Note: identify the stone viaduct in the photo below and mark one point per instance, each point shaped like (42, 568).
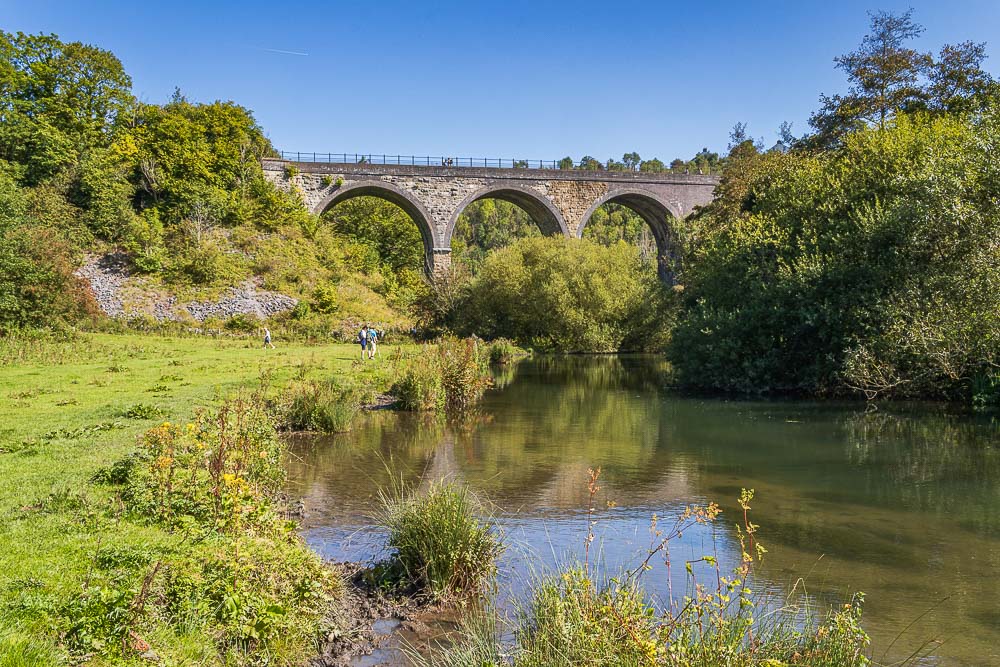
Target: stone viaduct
(559, 201)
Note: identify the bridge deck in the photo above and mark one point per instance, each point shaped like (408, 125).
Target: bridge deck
(506, 173)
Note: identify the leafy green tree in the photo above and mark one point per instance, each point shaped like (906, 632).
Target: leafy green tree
(957, 81)
(487, 225)
(384, 228)
(566, 163)
(589, 163)
(862, 269)
(631, 161)
(57, 100)
(884, 74)
(565, 294)
(652, 166)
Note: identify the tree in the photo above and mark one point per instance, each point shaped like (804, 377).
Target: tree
(652, 166)
(614, 165)
(785, 135)
(631, 161)
(57, 100)
(589, 163)
(958, 83)
(737, 136)
(884, 74)
(566, 163)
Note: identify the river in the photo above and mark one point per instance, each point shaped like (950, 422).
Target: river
(901, 502)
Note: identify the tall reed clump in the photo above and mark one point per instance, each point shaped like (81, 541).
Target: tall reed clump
(452, 374)
(419, 386)
(504, 351)
(244, 580)
(441, 547)
(319, 406)
(578, 618)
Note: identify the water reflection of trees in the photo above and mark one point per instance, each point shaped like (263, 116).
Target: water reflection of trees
(932, 460)
(902, 502)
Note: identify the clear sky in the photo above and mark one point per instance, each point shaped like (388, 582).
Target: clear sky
(514, 79)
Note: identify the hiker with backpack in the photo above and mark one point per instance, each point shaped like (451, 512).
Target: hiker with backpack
(363, 340)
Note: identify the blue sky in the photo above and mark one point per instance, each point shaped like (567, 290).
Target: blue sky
(535, 80)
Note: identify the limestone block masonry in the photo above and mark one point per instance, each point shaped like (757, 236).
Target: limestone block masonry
(559, 201)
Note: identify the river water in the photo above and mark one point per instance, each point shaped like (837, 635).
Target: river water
(902, 502)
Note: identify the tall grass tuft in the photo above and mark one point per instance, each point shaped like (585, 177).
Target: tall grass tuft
(503, 351)
(440, 545)
(320, 406)
(419, 387)
(452, 374)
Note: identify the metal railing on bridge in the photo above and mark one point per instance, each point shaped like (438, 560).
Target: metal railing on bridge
(424, 160)
(446, 161)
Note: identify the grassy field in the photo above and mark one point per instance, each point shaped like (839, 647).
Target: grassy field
(69, 409)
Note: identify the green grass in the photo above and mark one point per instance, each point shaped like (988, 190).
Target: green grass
(71, 408)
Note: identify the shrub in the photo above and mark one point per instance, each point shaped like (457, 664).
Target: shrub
(225, 469)
(503, 351)
(562, 294)
(247, 582)
(451, 374)
(326, 180)
(419, 386)
(291, 171)
(320, 406)
(242, 323)
(465, 374)
(326, 299)
(440, 546)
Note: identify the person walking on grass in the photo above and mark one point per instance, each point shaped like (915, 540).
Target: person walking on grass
(363, 340)
(372, 342)
(267, 339)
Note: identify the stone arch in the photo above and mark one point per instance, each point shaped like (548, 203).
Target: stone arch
(391, 193)
(657, 214)
(541, 210)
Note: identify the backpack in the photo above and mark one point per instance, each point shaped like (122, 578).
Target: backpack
(362, 336)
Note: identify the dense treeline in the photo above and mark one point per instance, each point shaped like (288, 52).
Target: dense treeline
(867, 258)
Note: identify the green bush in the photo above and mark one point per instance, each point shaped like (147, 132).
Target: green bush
(465, 374)
(504, 351)
(562, 294)
(872, 268)
(247, 583)
(440, 546)
(325, 299)
(419, 386)
(242, 323)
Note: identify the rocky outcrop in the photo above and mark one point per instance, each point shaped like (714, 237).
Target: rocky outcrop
(121, 294)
